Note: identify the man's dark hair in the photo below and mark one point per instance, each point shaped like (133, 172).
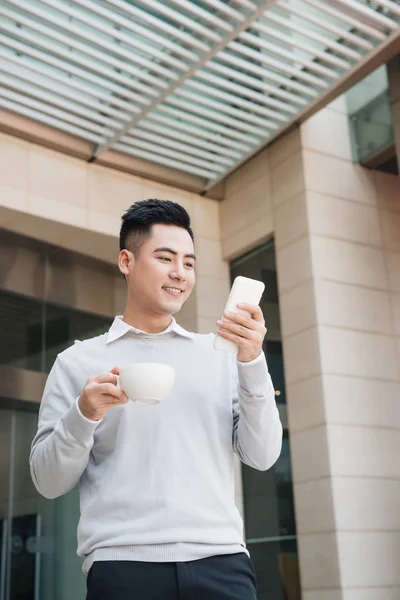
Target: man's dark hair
(138, 220)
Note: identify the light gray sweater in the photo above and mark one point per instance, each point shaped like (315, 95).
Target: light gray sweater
(156, 482)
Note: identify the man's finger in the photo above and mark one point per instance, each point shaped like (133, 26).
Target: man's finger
(236, 329)
(115, 399)
(254, 310)
(106, 378)
(110, 390)
(241, 319)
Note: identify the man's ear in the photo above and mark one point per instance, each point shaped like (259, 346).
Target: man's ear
(125, 260)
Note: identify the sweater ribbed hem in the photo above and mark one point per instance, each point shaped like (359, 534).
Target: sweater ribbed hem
(254, 377)
(173, 552)
(81, 428)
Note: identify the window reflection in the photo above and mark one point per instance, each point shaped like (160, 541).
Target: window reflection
(38, 558)
(64, 326)
(20, 331)
(32, 333)
(277, 569)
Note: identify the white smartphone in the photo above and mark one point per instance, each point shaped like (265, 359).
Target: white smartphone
(244, 290)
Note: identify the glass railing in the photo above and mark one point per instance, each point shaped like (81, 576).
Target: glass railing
(372, 128)
(370, 114)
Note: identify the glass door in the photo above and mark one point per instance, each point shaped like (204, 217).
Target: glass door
(5, 459)
(20, 525)
(38, 559)
(268, 496)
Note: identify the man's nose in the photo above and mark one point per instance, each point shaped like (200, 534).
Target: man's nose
(178, 272)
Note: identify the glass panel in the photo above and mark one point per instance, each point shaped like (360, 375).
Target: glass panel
(63, 326)
(25, 518)
(277, 569)
(268, 498)
(274, 353)
(21, 344)
(370, 114)
(5, 458)
(70, 582)
(41, 330)
(38, 551)
(38, 558)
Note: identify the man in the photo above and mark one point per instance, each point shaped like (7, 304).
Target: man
(158, 519)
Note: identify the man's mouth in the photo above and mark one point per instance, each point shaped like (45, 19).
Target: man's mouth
(173, 290)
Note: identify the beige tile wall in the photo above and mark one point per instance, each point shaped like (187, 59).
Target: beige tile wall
(246, 213)
(67, 202)
(337, 234)
(348, 310)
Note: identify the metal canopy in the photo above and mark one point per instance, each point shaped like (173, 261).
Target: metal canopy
(197, 85)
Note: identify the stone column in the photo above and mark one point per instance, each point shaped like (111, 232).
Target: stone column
(337, 229)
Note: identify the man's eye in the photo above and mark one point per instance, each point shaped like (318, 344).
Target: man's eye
(165, 258)
(191, 265)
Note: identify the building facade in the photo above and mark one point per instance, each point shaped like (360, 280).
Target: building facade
(323, 232)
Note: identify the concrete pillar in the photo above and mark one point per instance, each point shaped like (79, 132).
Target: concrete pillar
(337, 231)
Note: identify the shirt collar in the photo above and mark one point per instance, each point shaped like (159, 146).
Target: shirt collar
(120, 328)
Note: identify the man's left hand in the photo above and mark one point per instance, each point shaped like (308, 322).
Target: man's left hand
(248, 332)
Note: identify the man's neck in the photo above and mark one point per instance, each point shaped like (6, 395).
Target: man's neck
(149, 323)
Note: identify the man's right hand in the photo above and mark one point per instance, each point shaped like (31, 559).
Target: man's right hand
(100, 394)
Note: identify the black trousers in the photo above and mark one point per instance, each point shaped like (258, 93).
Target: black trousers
(227, 577)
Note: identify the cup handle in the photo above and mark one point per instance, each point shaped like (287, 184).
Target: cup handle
(117, 384)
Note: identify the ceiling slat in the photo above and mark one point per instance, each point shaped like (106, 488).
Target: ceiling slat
(170, 141)
(54, 112)
(296, 42)
(86, 48)
(24, 50)
(198, 131)
(181, 19)
(310, 65)
(371, 15)
(159, 24)
(324, 24)
(93, 97)
(9, 79)
(211, 125)
(44, 118)
(355, 24)
(195, 141)
(192, 70)
(255, 83)
(92, 65)
(162, 160)
(98, 25)
(236, 100)
(129, 24)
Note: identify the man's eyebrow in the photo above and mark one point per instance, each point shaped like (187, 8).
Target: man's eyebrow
(165, 249)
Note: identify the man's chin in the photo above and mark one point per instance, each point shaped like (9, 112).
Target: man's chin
(171, 307)
(175, 308)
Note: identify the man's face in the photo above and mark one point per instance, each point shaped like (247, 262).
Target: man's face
(161, 278)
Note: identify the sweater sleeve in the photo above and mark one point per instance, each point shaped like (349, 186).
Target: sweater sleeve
(257, 430)
(61, 448)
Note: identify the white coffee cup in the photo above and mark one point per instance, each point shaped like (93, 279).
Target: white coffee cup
(146, 383)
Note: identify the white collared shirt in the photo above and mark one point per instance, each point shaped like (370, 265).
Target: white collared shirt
(120, 327)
